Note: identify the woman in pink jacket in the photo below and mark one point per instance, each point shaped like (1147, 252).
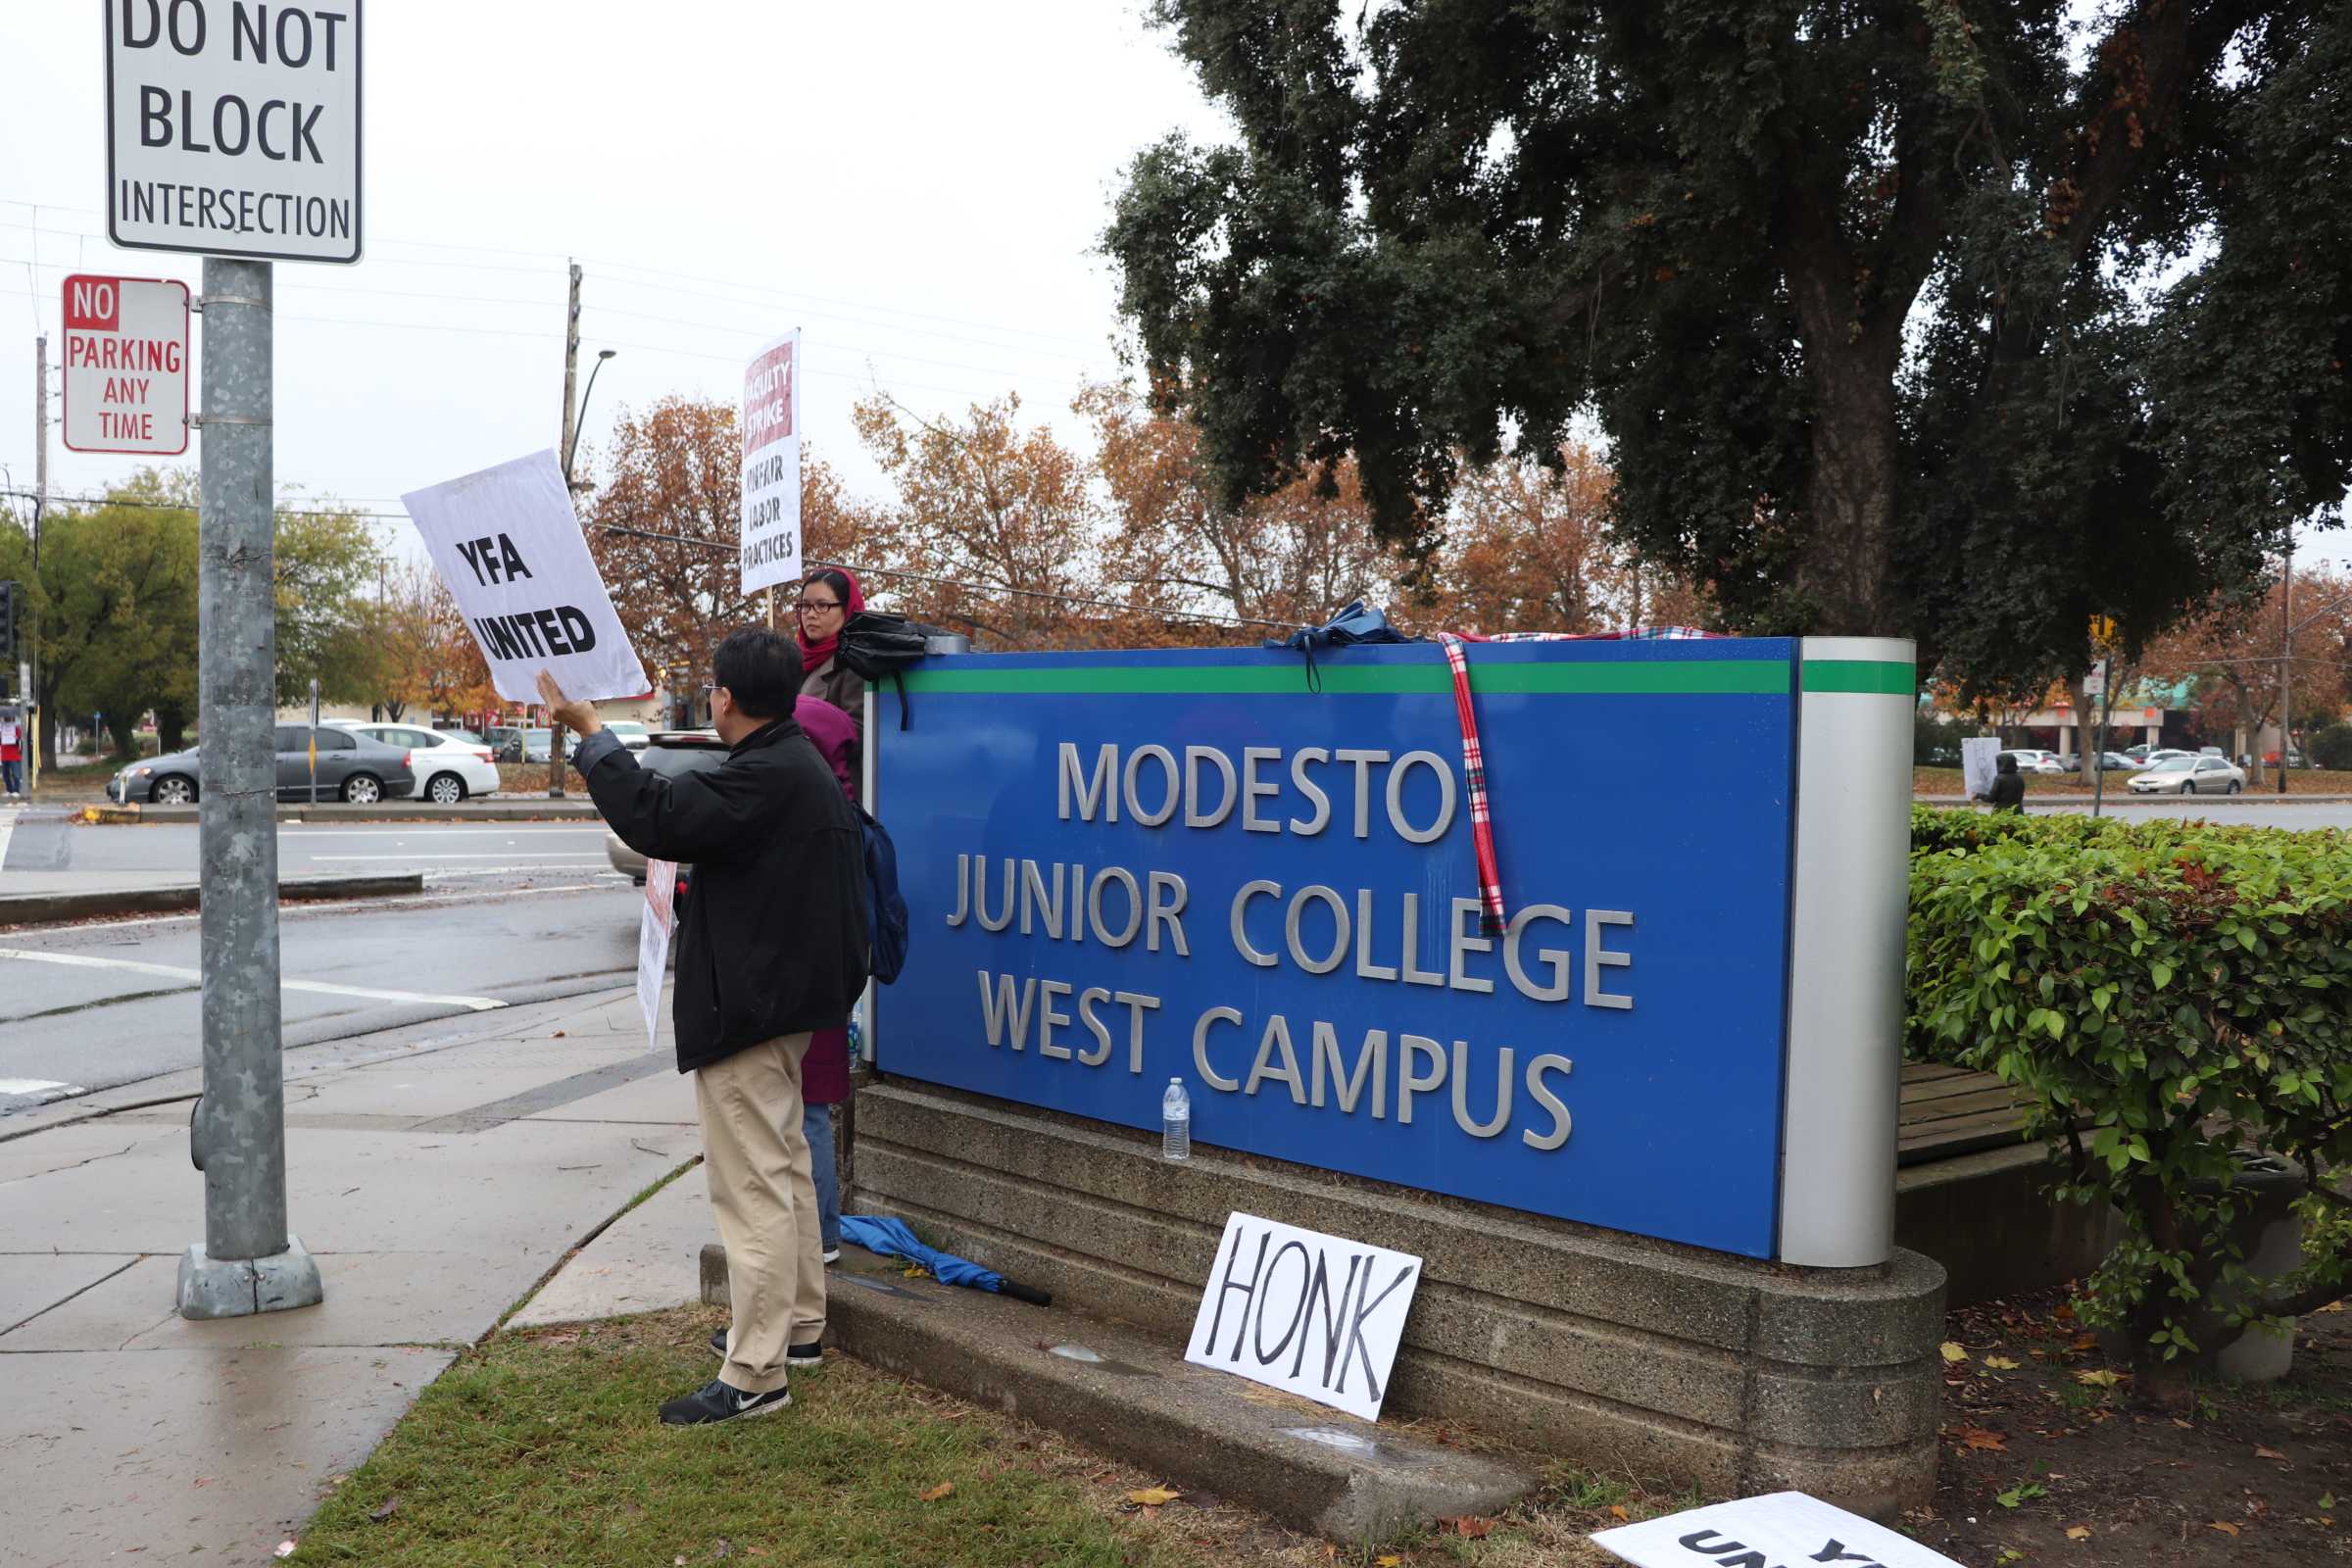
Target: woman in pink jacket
(825, 1070)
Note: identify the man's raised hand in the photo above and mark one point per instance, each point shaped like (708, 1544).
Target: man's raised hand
(578, 717)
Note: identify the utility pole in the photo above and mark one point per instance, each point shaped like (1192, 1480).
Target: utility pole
(572, 371)
(247, 1261)
(30, 696)
(2286, 655)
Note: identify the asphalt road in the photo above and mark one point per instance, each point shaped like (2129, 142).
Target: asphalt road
(90, 1006)
(492, 854)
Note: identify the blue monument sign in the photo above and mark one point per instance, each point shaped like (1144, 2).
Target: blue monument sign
(1127, 867)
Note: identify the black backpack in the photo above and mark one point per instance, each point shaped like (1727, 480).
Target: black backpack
(885, 907)
(875, 644)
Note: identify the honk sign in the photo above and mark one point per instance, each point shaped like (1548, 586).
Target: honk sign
(1308, 1314)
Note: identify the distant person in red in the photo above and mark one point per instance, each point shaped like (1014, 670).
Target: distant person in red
(11, 752)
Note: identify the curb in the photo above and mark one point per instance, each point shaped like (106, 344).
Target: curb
(1315, 1469)
(2249, 798)
(567, 809)
(41, 908)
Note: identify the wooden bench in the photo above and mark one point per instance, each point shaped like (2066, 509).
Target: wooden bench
(1949, 1112)
(1973, 1192)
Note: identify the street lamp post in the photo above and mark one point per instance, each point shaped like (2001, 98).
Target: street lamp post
(581, 418)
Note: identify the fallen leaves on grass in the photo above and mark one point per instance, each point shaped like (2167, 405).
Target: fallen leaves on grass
(1618, 1513)
(1982, 1437)
(2077, 1532)
(1470, 1525)
(2022, 1492)
(2223, 1527)
(2268, 1454)
(390, 1507)
(2000, 1363)
(1953, 1353)
(1154, 1496)
(2101, 1377)
(1390, 1560)
(944, 1488)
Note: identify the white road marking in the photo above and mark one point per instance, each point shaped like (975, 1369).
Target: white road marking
(427, 830)
(39, 1089)
(395, 901)
(438, 874)
(83, 960)
(573, 854)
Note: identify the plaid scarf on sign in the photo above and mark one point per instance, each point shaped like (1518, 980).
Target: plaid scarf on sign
(1491, 919)
(1474, 776)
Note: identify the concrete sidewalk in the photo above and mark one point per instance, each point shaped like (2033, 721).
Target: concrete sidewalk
(439, 1173)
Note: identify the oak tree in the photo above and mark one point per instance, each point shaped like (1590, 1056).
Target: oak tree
(1944, 318)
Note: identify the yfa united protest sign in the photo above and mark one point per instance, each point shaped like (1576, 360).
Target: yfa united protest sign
(510, 549)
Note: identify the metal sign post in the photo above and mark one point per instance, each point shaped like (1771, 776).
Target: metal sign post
(314, 740)
(233, 132)
(247, 1261)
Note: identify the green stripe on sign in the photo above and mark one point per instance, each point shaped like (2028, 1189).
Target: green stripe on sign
(1878, 676)
(1681, 676)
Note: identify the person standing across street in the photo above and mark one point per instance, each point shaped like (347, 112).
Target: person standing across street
(772, 945)
(2008, 792)
(11, 752)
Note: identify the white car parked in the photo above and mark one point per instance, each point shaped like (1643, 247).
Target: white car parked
(449, 763)
(2033, 760)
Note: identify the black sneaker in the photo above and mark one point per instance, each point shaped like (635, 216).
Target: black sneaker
(798, 1356)
(716, 1401)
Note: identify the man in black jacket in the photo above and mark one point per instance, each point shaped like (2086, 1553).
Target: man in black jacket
(773, 944)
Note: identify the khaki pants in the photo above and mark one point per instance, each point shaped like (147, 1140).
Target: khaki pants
(756, 1160)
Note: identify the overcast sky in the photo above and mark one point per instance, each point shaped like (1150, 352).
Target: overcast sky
(919, 187)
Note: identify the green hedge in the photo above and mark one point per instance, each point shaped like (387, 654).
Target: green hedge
(2181, 994)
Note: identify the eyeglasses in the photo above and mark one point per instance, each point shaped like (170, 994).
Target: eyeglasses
(806, 605)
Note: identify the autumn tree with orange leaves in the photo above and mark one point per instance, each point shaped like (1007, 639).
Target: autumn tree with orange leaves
(2231, 648)
(997, 513)
(662, 524)
(1173, 546)
(426, 657)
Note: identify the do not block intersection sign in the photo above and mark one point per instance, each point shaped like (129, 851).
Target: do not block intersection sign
(127, 364)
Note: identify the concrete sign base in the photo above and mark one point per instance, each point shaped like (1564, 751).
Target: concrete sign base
(1643, 1355)
(241, 1287)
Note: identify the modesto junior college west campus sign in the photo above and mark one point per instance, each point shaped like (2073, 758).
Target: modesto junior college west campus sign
(1124, 868)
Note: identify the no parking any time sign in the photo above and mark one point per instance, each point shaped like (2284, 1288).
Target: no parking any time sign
(127, 364)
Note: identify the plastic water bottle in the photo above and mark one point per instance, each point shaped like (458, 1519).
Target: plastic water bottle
(1175, 1122)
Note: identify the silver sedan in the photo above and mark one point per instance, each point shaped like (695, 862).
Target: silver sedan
(2190, 775)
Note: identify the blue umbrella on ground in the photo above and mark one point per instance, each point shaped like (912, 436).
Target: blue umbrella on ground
(892, 1238)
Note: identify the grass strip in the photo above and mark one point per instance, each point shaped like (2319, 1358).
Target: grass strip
(543, 1447)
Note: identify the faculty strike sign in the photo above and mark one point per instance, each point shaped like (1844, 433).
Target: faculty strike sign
(771, 465)
(510, 550)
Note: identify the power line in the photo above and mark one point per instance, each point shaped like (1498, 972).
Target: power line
(730, 548)
(56, 500)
